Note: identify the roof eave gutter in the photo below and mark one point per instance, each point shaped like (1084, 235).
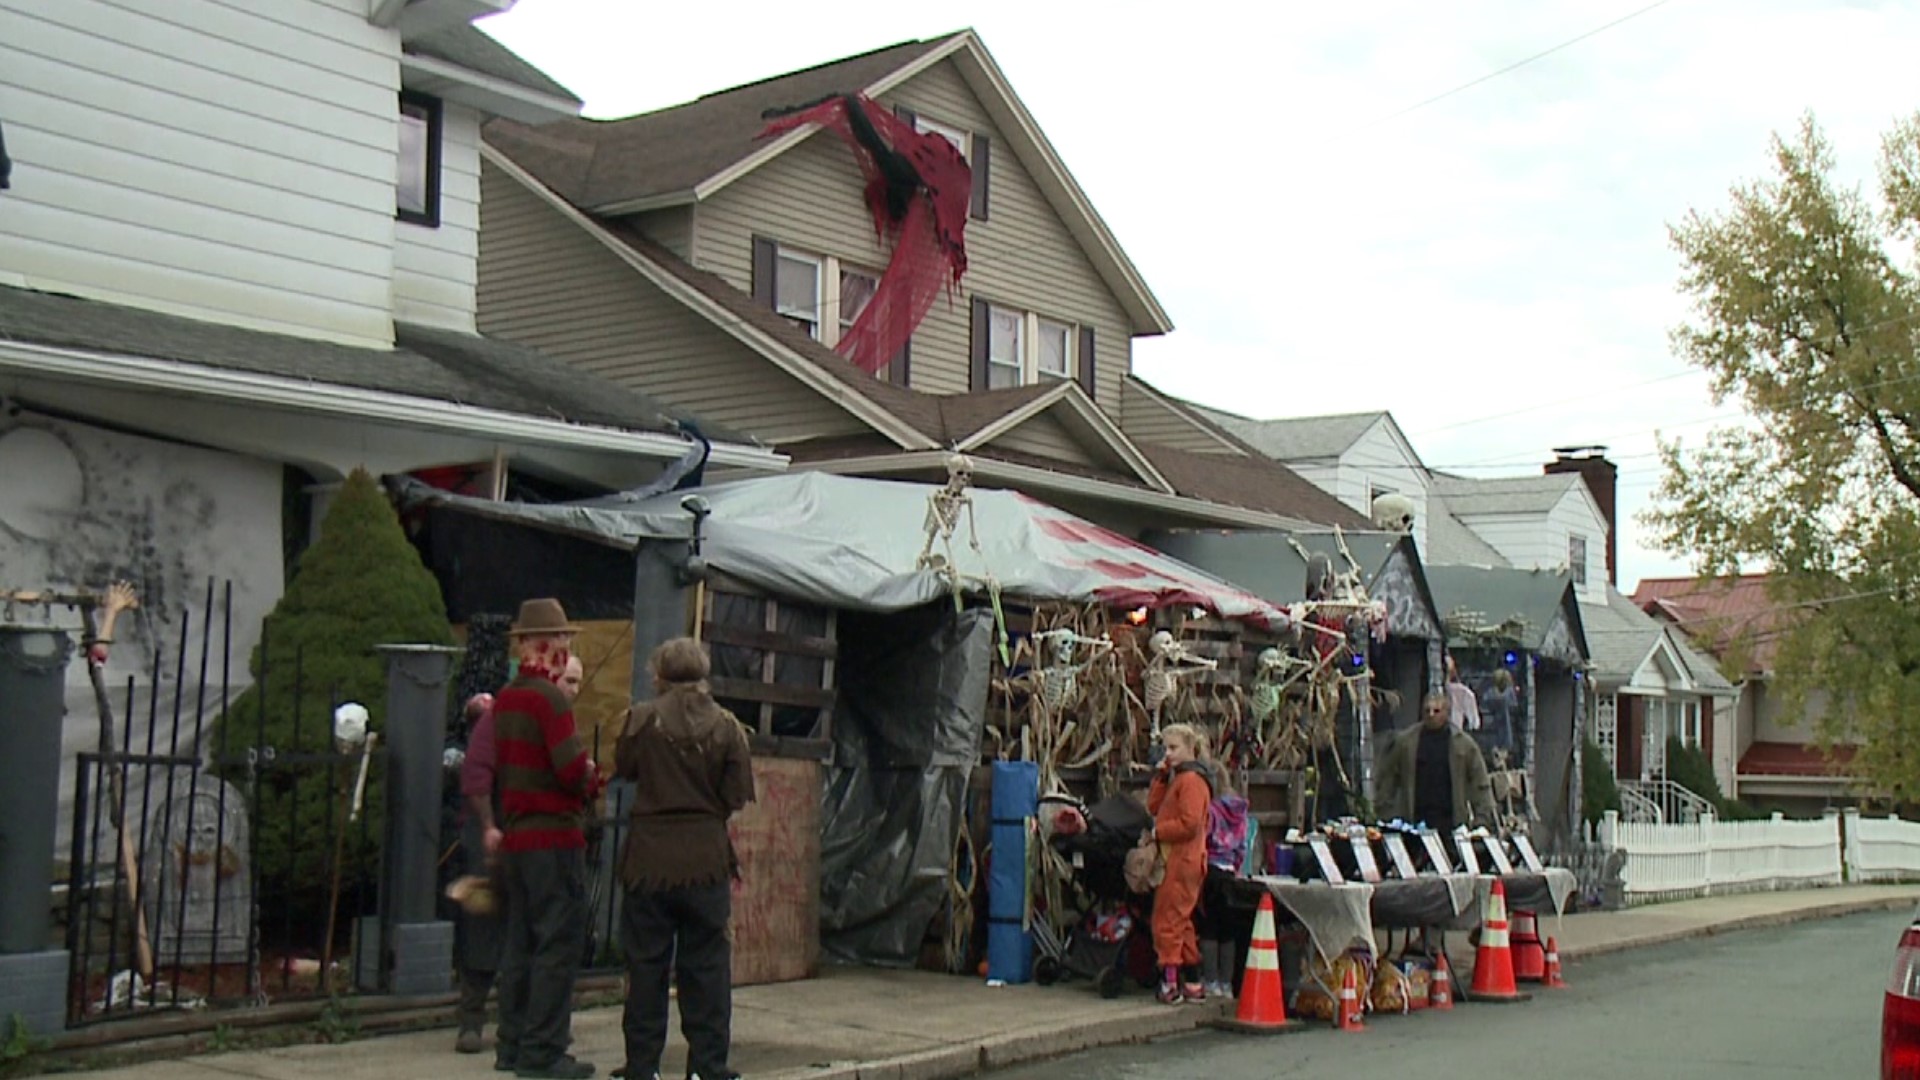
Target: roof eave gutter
(665, 201)
(1046, 479)
(327, 399)
(495, 95)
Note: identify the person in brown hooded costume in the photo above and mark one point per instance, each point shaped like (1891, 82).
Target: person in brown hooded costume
(691, 768)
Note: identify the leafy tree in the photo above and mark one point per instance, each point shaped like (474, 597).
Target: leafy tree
(361, 585)
(1807, 313)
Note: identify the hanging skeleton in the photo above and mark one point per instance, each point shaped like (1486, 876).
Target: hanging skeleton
(1170, 662)
(945, 507)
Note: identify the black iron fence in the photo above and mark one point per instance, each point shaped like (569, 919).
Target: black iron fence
(213, 861)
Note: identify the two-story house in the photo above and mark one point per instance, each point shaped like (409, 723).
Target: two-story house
(238, 255)
(686, 254)
(1355, 457)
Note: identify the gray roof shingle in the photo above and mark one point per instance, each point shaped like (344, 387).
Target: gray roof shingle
(440, 365)
(1450, 542)
(1622, 636)
(1298, 438)
(1470, 496)
(599, 163)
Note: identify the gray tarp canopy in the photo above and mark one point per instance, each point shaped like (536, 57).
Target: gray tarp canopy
(1533, 609)
(1266, 563)
(851, 542)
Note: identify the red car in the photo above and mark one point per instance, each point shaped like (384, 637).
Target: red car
(1900, 1018)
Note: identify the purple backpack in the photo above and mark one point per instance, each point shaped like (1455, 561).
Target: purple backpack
(1227, 833)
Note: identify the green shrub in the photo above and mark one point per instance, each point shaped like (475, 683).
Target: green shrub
(1688, 766)
(1598, 791)
(360, 585)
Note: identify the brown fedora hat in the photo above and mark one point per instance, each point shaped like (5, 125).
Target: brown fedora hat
(544, 616)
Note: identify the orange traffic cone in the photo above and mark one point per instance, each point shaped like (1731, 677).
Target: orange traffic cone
(1347, 1012)
(1554, 981)
(1529, 957)
(1262, 1006)
(1441, 996)
(1493, 964)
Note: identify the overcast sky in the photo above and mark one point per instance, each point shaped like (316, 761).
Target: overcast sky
(1492, 268)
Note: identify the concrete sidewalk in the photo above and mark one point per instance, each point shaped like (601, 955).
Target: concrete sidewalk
(866, 1023)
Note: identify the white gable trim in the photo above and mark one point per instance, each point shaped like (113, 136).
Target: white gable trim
(903, 434)
(1027, 142)
(1663, 649)
(1070, 396)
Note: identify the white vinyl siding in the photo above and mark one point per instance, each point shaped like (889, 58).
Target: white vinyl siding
(227, 162)
(546, 284)
(433, 268)
(1540, 541)
(810, 197)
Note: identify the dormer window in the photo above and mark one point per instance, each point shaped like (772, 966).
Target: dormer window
(961, 140)
(417, 182)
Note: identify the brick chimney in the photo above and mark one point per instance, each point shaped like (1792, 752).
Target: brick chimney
(1602, 477)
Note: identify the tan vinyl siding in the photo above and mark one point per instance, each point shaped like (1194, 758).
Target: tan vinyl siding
(1145, 418)
(1047, 437)
(1022, 256)
(671, 228)
(546, 284)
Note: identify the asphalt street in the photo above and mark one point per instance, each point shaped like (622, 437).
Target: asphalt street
(1799, 1001)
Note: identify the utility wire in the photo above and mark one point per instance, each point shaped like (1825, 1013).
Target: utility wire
(1517, 64)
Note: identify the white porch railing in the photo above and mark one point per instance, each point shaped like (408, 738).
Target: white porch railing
(1708, 856)
(1637, 808)
(1676, 803)
(1882, 849)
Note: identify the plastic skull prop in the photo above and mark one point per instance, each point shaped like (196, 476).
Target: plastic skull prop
(350, 724)
(1394, 513)
(1161, 643)
(959, 472)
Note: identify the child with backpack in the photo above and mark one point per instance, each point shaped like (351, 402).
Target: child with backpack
(1230, 830)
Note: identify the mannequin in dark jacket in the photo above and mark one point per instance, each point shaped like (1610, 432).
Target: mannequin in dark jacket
(1433, 773)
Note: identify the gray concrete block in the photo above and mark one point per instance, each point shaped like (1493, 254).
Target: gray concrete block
(34, 987)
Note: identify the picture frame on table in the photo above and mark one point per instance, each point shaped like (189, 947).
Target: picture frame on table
(1363, 858)
(1401, 858)
(1529, 857)
(1497, 852)
(1469, 860)
(1323, 854)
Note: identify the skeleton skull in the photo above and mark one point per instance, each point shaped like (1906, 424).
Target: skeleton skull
(1270, 660)
(959, 472)
(1161, 643)
(1394, 513)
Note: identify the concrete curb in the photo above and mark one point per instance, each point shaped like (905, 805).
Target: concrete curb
(1838, 909)
(1136, 1024)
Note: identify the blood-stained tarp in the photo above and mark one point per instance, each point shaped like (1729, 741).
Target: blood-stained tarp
(851, 542)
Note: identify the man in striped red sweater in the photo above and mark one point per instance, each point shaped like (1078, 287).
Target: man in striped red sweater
(546, 781)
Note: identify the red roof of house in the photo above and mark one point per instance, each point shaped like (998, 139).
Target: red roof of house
(1717, 613)
(1794, 759)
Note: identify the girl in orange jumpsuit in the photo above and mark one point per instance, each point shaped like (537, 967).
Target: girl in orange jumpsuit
(1178, 801)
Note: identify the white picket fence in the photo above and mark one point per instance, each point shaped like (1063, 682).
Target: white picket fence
(1712, 857)
(1882, 849)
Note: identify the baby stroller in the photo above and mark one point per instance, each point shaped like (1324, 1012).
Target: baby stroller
(1097, 945)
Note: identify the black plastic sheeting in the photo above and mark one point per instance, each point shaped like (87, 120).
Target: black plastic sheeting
(488, 566)
(907, 730)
